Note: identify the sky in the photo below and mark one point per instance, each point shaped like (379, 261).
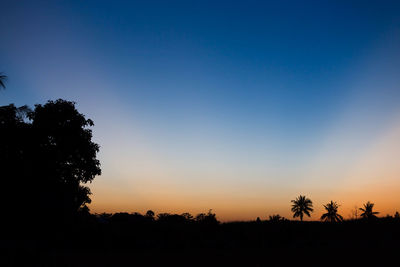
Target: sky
(234, 106)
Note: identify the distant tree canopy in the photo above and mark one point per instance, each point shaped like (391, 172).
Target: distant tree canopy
(46, 155)
(150, 214)
(276, 218)
(208, 218)
(205, 219)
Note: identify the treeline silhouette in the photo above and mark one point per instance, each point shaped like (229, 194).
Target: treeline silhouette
(47, 156)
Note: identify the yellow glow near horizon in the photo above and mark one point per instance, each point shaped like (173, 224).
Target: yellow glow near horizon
(243, 180)
(373, 176)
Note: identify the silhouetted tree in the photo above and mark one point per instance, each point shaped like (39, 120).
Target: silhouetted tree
(207, 218)
(104, 217)
(47, 155)
(17, 165)
(84, 211)
(301, 205)
(171, 219)
(276, 218)
(66, 147)
(162, 216)
(120, 218)
(187, 216)
(3, 78)
(332, 213)
(367, 211)
(150, 214)
(397, 215)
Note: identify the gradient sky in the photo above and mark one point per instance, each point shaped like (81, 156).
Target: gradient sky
(232, 106)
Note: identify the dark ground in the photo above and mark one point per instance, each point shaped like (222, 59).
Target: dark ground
(286, 243)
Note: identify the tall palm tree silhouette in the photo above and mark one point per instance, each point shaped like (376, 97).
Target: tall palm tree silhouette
(301, 205)
(3, 78)
(367, 211)
(331, 215)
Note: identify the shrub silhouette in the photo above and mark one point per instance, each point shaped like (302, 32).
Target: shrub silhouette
(276, 218)
(367, 211)
(301, 205)
(332, 213)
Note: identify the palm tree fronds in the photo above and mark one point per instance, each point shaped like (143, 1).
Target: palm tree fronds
(301, 205)
(3, 78)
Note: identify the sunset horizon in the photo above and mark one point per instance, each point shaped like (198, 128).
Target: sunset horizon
(237, 108)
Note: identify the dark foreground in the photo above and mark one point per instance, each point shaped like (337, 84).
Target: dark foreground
(283, 243)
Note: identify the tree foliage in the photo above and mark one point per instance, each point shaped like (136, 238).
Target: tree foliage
(367, 211)
(208, 218)
(3, 78)
(276, 218)
(47, 155)
(302, 205)
(332, 213)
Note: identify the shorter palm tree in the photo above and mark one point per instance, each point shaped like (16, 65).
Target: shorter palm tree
(367, 211)
(332, 214)
(301, 205)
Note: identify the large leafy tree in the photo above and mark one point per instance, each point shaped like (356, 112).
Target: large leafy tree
(47, 156)
(302, 205)
(367, 211)
(331, 214)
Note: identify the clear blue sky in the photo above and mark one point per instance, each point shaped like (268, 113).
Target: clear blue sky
(213, 104)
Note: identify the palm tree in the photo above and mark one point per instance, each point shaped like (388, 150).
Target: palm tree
(3, 78)
(367, 211)
(301, 205)
(332, 215)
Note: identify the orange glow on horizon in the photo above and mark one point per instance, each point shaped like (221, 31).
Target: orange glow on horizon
(373, 177)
